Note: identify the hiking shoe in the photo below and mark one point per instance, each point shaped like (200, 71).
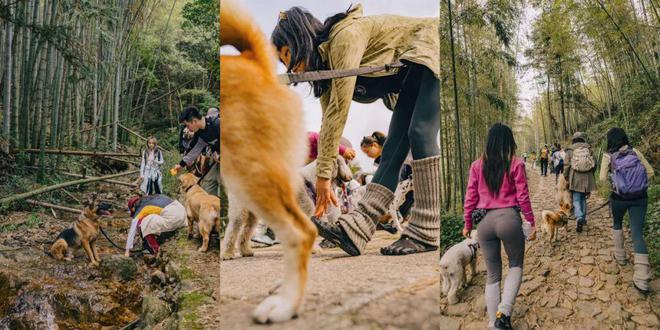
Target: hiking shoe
(327, 244)
(388, 227)
(503, 321)
(580, 223)
(334, 233)
(263, 239)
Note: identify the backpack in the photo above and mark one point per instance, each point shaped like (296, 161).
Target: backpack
(544, 153)
(582, 160)
(629, 177)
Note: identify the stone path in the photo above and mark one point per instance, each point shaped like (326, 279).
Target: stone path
(573, 284)
(366, 292)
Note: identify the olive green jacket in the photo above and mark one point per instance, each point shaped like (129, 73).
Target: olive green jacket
(583, 182)
(362, 41)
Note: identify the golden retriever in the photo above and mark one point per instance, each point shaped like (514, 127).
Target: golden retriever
(201, 207)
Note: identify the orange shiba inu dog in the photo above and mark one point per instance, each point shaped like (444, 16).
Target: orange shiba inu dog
(83, 233)
(263, 177)
(554, 220)
(201, 208)
(564, 199)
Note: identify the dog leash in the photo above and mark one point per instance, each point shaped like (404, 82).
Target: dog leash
(114, 244)
(572, 217)
(293, 78)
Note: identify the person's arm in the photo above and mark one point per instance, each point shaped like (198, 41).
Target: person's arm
(159, 159)
(346, 53)
(471, 196)
(645, 163)
(567, 164)
(142, 164)
(604, 167)
(522, 192)
(131, 235)
(189, 158)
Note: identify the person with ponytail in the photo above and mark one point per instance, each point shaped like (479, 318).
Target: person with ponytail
(349, 40)
(497, 192)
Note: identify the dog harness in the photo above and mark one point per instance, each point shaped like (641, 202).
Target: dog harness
(473, 250)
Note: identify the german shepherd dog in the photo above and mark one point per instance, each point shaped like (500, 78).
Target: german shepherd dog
(264, 176)
(83, 233)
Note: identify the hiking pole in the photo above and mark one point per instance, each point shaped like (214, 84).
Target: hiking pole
(572, 217)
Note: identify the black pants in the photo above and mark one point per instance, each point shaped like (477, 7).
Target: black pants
(558, 170)
(637, 211)
(414, 125)
(544, 167)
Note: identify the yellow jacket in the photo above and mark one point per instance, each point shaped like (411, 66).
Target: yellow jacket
(362, 41)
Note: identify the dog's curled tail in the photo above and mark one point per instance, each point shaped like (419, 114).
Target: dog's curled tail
(238, 29)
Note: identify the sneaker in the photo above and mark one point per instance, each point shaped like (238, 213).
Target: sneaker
(503, 321)
(263, 239)
(388, 227)
(580, 223)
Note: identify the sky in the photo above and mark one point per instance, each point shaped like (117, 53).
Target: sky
(527, 90)
(363, 119)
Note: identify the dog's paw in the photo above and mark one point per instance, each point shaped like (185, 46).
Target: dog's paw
(228, 256)
(274, 309)
(452, 300)
(93, 264)
(247, 251)
(202, 249)
(317, 249)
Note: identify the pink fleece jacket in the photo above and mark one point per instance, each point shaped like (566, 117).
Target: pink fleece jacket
(513, 192)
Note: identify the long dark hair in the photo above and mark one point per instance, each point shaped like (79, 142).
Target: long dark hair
(500, 148)
(616, 138)
(298, 29)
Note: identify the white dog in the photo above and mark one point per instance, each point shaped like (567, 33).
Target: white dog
(402, 189)
(242, 222)
(453, 264)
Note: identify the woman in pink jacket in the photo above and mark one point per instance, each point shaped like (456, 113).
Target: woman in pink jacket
(496, 193)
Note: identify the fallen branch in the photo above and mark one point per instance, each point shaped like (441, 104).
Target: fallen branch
(138, 135)
(77, 153)
(122, 183)
(124, 160)
(62, 185)
(53, 206)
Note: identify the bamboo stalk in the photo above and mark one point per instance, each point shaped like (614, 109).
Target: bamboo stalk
(62, 185)
(77, 153)
(53, 206)
(76, 175)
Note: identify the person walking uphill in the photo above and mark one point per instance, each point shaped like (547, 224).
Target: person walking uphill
(349, 40)
(497, 187)
(544, 155)
(207, 133)
(579, 173)
(630, 173)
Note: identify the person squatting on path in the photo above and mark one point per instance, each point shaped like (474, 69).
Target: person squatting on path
(543, 158)
(630, 173)
(579, 173)
(498, 185)
(349, 40)
(150, 174)
(154, 215)
(207, 132)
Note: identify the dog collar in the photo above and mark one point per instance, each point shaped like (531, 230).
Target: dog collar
(185, 191)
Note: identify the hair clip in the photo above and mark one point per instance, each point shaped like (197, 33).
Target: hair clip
(282, 15)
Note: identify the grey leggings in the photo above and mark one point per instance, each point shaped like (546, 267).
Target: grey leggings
(501, 225)
(637, 211)
(414, 125)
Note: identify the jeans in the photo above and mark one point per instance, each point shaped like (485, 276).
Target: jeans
(580, 206)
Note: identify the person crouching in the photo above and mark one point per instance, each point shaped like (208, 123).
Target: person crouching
(154, 215)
